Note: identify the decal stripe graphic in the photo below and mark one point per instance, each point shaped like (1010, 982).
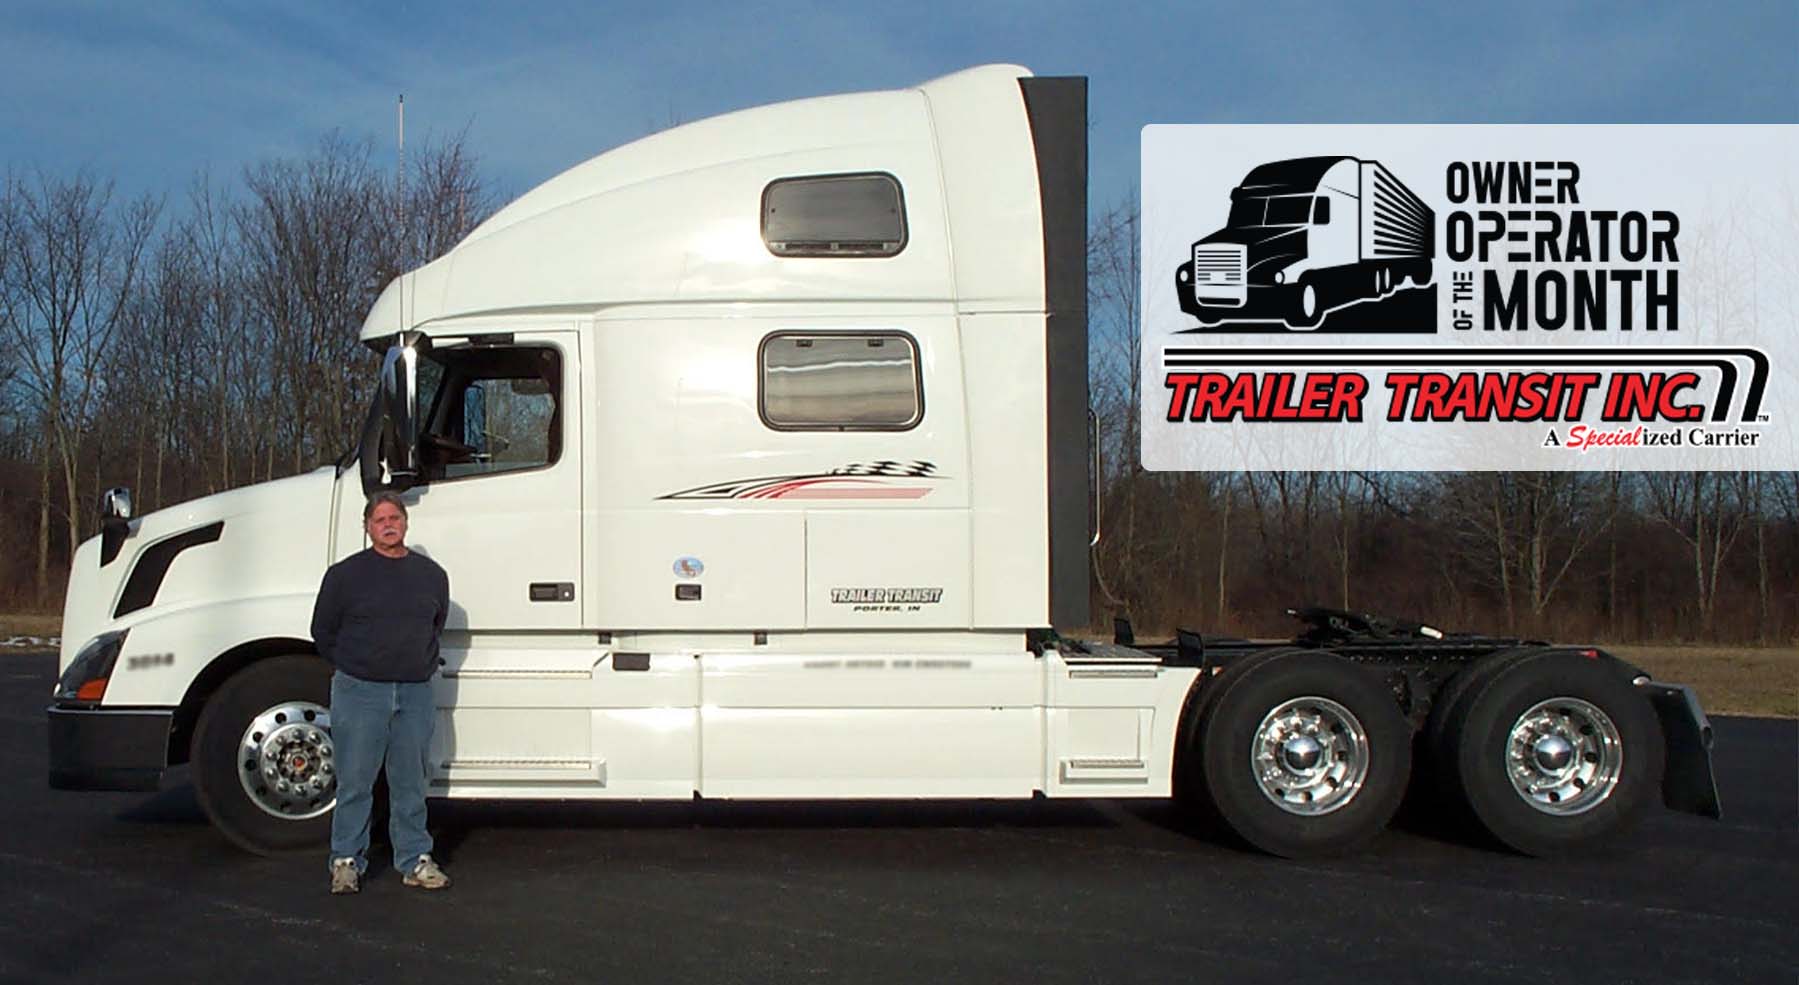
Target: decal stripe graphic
(861, 480)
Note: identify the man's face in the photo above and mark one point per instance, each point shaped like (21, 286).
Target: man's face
(386, 526)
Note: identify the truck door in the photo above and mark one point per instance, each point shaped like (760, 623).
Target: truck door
(499, 501)
(498, 504)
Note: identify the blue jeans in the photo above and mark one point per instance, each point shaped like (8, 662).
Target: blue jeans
(373, 721)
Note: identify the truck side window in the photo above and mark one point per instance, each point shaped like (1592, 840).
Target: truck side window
(840, 381)
(499, 411)
(834, 215)
(1289, 210)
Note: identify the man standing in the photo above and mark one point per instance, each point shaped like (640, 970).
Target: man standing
(378, 620)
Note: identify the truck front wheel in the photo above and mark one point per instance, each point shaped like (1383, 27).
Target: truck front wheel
(262, 756)
(1556, 751)
(1308, 305)
(1305, 754)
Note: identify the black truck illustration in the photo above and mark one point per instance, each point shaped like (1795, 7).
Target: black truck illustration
(1306, 236)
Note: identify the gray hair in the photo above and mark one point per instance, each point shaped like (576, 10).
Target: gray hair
(377, 499)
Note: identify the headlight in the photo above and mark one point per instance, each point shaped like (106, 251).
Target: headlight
(85, 680)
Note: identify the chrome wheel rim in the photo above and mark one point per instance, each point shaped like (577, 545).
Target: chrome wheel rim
(1310, 756)
(1564, 756)
(284, 761)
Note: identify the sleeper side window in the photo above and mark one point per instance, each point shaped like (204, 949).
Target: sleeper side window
(498, 410)
(835, 215)
(840, 381)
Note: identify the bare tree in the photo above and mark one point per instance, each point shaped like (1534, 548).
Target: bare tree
(1706, 511)
(227, 346)
(443, 197)
(1523, 533)
(73, 262)
(320, 238)
(1112, 314)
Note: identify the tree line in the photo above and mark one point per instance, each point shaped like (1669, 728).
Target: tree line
(1614, 555)
(190, 347)
(190, 344)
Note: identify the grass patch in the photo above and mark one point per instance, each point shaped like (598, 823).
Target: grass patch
(29, 624)
(1731, 680)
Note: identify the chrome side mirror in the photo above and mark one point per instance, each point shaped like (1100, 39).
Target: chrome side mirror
(115, 522)
(115, 504)
(399, 399)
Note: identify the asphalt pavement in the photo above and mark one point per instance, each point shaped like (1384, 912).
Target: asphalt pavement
(98, 887)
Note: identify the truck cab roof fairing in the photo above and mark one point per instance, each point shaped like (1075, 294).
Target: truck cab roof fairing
(676, 216)
(1299, 175)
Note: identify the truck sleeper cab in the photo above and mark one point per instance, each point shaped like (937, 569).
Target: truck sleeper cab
(755, 453)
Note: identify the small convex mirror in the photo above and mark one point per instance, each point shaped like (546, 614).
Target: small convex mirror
(115, 504)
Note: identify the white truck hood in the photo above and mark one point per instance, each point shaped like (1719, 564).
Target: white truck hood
(275, 539)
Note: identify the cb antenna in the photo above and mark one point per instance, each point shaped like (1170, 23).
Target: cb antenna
(400, 198)
(400, 191)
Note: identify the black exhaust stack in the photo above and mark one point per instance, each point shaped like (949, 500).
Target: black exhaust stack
(1057, 109)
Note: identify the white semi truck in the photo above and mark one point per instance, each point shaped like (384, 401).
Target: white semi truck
(756, 451)
(1304, 237)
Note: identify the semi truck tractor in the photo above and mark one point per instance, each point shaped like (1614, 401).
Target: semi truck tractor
(1307, 236)
(756, 453)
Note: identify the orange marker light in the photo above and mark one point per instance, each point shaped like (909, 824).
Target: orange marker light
(93, 690)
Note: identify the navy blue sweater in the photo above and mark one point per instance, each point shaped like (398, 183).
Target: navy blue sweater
(378, 618)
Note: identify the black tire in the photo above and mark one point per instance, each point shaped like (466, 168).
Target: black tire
(1189, 765)
(1483, 728)
(1227, 739)
(216, 755)
(1448, 706)
(1308, 305)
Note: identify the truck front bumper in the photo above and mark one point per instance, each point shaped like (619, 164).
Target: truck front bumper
(108, 748)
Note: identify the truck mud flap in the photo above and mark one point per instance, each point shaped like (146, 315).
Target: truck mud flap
(1688, 783)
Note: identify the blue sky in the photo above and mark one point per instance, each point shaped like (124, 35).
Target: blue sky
(149, 93)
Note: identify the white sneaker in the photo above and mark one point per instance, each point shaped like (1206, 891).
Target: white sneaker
(344, 877)
(427, 875)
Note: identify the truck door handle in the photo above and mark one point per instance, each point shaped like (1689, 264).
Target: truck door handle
(552, 591)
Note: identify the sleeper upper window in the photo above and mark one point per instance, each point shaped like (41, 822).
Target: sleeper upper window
(851, 215)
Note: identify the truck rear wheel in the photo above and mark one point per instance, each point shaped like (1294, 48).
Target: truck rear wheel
(262, 756)
(1441, 729)
(1189, 773)
(1304, 754)
(1556, 751)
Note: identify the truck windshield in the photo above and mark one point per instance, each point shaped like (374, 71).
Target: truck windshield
(430, 380)
(1247, 212)
(1274, 210)
(1289, 210)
